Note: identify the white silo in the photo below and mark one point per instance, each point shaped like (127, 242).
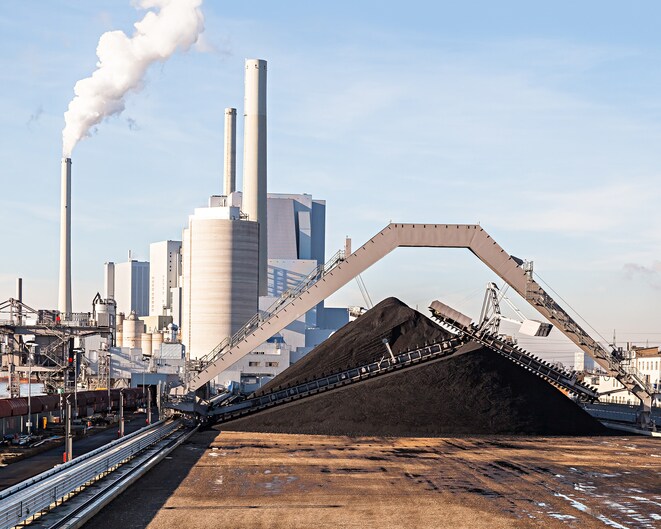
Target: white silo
(133, 329)
(146, 343)
(156, 341)
(220, 277)
(119, 335)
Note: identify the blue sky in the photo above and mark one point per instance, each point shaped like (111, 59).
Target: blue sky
(540, 122)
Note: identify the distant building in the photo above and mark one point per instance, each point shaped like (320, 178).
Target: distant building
(646, 361)
(164, 272)
(296, 247)
(131, 286)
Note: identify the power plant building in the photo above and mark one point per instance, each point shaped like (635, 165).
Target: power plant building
(164, 272)
(220, 275)
(131, 286)
(296, 245)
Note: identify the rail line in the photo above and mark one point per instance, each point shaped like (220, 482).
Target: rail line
(69, 494)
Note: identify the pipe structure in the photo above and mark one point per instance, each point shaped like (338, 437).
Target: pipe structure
(64, 300)
(254, 158)
(229, 173)
(19, 297)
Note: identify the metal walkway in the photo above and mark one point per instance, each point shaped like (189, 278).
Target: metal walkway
(539, 367)
(425, 355)
(329, 278)
(40, 497)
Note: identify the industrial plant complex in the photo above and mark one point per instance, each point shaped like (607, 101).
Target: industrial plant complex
(239, 298)
(221, 349)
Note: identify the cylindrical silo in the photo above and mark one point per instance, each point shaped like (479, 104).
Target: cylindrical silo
(156, 341)
(254, 158)
(146, 343)
(119, 335)
(133, 329)
(220, 290)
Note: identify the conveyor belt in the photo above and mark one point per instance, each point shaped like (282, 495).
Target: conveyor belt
(539, 367)
(427, 354)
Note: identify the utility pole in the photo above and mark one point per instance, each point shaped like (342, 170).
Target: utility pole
(75, 384)
(149, 406)
(108, 359)
(29, 423)
(158, 401)
(121, 413)
(68, 438)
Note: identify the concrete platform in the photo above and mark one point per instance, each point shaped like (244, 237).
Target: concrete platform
(250, 480)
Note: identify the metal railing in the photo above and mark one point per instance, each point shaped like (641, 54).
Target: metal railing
(38, 494)
(428, 353)
(628, 375)
(539, 367)
(262, 316)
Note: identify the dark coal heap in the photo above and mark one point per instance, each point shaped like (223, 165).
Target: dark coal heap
(476, 392)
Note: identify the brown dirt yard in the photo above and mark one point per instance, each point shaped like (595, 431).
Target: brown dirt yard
(258, 480)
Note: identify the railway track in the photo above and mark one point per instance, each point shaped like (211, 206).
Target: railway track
(70, 494)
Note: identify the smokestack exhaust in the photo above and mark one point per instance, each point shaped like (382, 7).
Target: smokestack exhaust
(64, 300)
(229, 177)
(254, 158)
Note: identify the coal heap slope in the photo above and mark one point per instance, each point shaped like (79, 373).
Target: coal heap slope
(361, 342)
(477, 392)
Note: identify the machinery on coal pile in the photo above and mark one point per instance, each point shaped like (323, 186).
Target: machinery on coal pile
(342, 268)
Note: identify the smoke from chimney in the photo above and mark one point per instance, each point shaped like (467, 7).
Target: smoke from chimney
(168, 26)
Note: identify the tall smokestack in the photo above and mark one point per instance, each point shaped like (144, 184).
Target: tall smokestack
(254, 158)
(19, 297)
(64, 301)
(229, 176)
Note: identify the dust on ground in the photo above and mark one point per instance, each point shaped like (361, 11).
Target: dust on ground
(253, 480)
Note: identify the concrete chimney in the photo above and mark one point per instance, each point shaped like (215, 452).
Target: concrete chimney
(19, 297)
(254, 158)
(229, 174)
(64, 300)
(109, 280)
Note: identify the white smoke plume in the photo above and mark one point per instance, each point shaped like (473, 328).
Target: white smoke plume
(168, 26)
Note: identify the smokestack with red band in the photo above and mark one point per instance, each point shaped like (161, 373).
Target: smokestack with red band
(64, 300)
(230, 152)
(254, 158)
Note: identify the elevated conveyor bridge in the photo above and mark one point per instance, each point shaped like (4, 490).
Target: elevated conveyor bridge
(342, 269)
(418, 358)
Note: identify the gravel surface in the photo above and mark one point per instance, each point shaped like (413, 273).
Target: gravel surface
(250, 481)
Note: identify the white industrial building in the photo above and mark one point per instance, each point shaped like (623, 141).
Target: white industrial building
(237, 256)
(128, 284)
(164, 273)
(220, 275)
(647, 362)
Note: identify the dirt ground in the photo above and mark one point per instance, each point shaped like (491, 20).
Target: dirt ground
(253, 480)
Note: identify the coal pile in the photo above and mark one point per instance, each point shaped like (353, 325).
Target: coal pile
(476, 392)
(361, 342)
